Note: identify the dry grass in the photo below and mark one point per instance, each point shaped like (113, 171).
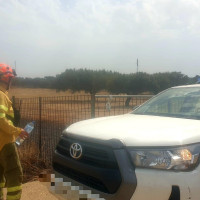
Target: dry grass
(32, 164)
(41, 92)
(38, 92)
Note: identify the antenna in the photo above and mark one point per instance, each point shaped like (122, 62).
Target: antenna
(137, 65)
(15, 65)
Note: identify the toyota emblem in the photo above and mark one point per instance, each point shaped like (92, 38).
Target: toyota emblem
(75, 150)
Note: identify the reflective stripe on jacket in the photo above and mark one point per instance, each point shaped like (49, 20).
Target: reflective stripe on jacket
(8, 132)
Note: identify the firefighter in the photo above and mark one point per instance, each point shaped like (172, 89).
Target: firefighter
(10, 167)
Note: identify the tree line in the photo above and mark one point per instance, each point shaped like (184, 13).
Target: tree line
(93, 81)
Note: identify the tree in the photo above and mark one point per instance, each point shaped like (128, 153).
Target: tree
(93, 81)
(76, 80)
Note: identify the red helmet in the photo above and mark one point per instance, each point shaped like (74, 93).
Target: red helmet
(6, 73)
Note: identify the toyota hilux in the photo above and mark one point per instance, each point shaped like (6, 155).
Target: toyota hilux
(151, 153)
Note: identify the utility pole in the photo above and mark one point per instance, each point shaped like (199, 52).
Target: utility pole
(137, 65)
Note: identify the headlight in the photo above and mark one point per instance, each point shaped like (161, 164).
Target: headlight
(180, 159)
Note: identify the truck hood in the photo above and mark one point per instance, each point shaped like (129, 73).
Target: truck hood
(140, 130)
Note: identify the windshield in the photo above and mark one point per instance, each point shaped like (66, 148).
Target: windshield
(174, 102)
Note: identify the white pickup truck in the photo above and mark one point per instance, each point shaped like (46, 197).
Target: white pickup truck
(151, 153)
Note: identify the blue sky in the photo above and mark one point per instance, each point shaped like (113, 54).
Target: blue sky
(46, 37)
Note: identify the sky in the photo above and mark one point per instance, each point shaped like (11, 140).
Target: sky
(46, 37)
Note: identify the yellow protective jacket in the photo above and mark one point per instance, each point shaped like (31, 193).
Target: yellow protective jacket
(8, 132)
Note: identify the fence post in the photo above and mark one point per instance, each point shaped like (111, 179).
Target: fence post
(92, 105)
(13, 100)
(40, 126)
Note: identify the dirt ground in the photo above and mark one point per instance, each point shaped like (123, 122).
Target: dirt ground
(36, 191)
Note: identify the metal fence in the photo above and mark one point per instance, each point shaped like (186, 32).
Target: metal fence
(53, 114)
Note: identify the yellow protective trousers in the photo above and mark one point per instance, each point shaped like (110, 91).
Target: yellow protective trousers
(10, 172)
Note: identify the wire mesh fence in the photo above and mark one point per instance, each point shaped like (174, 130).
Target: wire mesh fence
(53, 114)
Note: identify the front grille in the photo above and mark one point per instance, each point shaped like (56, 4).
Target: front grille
(93, 154)
(99, 157)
